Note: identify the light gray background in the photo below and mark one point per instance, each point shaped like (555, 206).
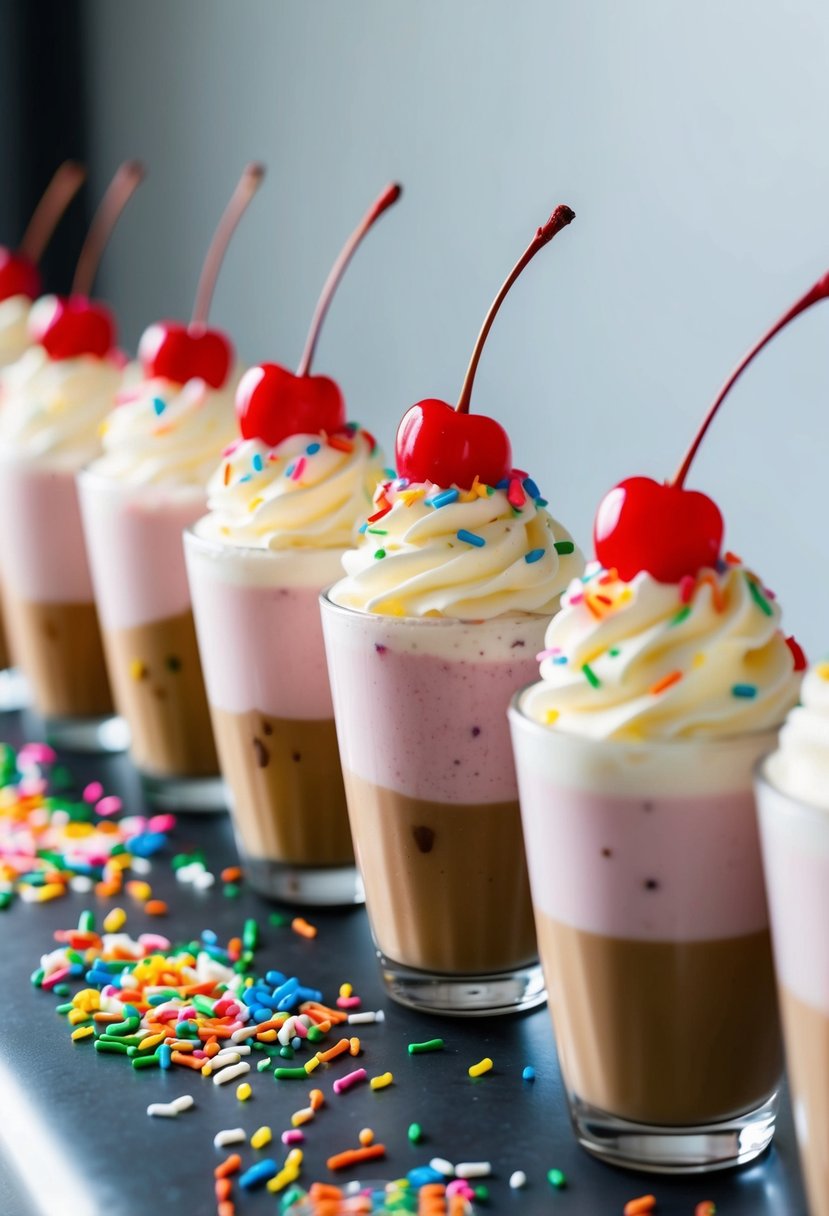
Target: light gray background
(691, 140)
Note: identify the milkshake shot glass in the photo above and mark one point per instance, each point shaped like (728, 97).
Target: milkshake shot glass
(53, 400)
(792, 788)
(162, 442)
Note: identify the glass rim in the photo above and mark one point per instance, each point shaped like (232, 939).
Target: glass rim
(517, 711)
(764, 780)
(255, 551)
(88, 473)
(433, 622)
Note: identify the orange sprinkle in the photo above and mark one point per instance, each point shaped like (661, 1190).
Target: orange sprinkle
(665, 682)
(316, 1099)
(223, 1188)
(333, 1052)
(226, 1208)
(733, 560)
(178, 1057)
(231, 874)
(155, 907)
(301, 926)
(706, 1208)
(717, 597)
(230, 1165)
(227, 473)
(353, 1156)
(266, 1036)
(340, 444)
(324, 1190)
(107, 889)
(640, 1206)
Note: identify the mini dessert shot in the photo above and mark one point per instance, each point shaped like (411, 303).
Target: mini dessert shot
(793, 800)
(20, 284)
(52, 402)
(161, 444)
(663, 679)
(284, 505)
(436, 624)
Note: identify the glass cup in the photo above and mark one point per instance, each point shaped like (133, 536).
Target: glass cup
(652, 925)
(795, 840)
(260, 639)
(420, 707)
(133, 539)
(49, 605)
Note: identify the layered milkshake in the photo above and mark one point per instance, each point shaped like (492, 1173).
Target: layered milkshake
(634, 754)
(793, 797)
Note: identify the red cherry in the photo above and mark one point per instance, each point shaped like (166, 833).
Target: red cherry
(18, 276)
(73, 326)
(185, 352)
(272, 403)
(662, 529)
(435, 443)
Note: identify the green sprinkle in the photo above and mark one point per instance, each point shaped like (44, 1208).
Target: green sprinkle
(151, 1061)
(86, 922)
(541, 503)
(250, 934)
(379, 553)
(378, 531)
(61, 990)
(564, 546)
(415, 1133)
(428, 1045)
(111, 1047)
(290, 1074)
(315, 1035)
(590, 675)
(747, 691)
(67, 1007)
(5, 900)
(614, 652)
(557, 1179)
(490, 490)
(482, 1192)
(286, 1052)
(231, 890)
(263, 1064)
(758, 597)
(279, 919)
(681, 616)
(38, 977)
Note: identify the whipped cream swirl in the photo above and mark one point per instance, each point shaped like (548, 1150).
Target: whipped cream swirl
(52, 409)
(164, 433)
(14, 333)
(651, 660)
(470, 554)
(800, 766)
(310, 491)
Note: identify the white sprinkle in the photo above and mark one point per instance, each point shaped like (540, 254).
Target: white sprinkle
(473, 1169)
(224, 1059)
(82, 883)
(230, 1074)
(443, 1166)
(363, 1019)
(204, 881)
(184, 1102)
(230, 1135)
(141, 865)
(517, 1180)
(286, 1031)
(163, 1110)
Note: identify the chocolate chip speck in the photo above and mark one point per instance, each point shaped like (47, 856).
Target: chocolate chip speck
(380, 648)
(651, 884)
(261, 752)
(296, 757)
(267, 729)
(518, 642)
(476, 730)
(647, 806)
(172, 662)
(424, 838)
(607, 852)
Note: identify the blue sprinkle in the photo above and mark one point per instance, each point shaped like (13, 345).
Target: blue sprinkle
(289, 469)
(744, 690)
(296, 1042)
(312, 449)
(503, 484)
(541, 502)
(275, 978)
(529, 1073)
(209, 936)
(534, 555)
(165, 1052)
(560, 659)
(390, 474)
(147, 843)
(531, 487)
(258, 1174)
(443, 499)
(401, 483)
(362, 528)
(471, 538)
(257, 462)
(423, 1175)
(159, 406)
(247, 477)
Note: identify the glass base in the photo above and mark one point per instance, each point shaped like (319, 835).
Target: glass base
(465, 995)
(674, 1150)
(14, 690)
(320, 886)
(185, 794)
(106, 734)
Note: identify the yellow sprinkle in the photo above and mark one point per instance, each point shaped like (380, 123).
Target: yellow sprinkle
(243, 1091)
(346, 990)
(698, 660)
(76, 1016)
(354, 1046)
(382, 1081)
(478, 1070)
(822, 670)
(49, 891)
(277, 1183)
(83, 1032)
(266, 1036)
(294, 1159)
(103, 427)
(261, 1137)
(88, 999)
(255, 502)
(207, 1070)
(366, 1137)
(624, 596)
(115, 920)
(138, 669)
(311, 1064)
(550, 716)
(152, 1040)
(301, 1116)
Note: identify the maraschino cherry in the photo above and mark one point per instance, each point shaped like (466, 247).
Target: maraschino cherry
(664, 529)
(273, 402)
(451, 447)
(181, 352)
(19, 275)
(75, 325)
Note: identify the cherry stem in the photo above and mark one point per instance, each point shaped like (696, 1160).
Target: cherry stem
(119, 191)
(246, 187)
(56, 198)
(819, 292)
(561, 217)
(389, 196)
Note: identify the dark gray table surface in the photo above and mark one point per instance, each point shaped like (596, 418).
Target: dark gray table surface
(75, 1139)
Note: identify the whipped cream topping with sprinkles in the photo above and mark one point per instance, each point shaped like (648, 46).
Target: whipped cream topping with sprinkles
(704, 657)
(471, 554)
(800, 766)
(310, 491)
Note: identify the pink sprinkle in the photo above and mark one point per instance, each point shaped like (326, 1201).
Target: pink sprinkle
(300, 1029)
(547, 654)
(350, 1078)
(515, 494)
(231, 447)
(198, 1054)
(93, 792)
(348, 1002)
(161, 823)
(299, 469)
(769, 593)
(55, 977)
(294, 1136)
(110, 805)
(187, 1013)
(578, 598)
(30, 787)
(37, 753)
(686, 588)
(151, 942)
(459, 1186)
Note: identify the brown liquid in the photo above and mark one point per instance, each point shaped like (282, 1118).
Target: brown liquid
(446, 884)
(672, 1033)
(157, 681)
(5, 652)
(59, 648)
(286, 786)
(807, 1059)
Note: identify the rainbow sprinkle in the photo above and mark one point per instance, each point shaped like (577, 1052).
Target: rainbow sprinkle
(745, 691)
(470, 538)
